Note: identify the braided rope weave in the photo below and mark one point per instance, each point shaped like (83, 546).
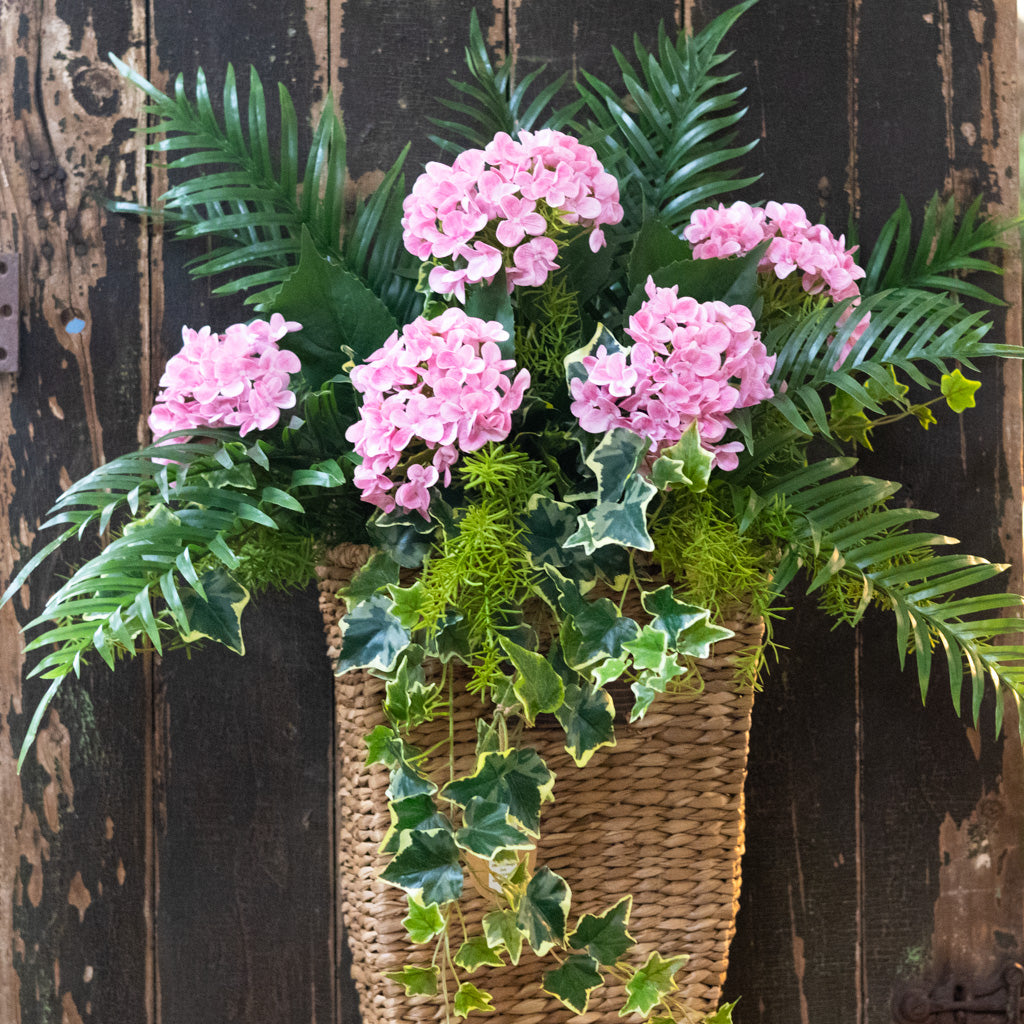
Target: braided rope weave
(660, 815)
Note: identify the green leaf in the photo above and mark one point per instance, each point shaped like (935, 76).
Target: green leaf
(417, 981)
(408, 701)
(372, 637)
(604, 936)
(537, 684)
(591, 630)
(219, 615)
(341, 318)
(687, 462)
(422, 923)
(958, 390)
(378, 573)
(669, 615)
(601, 338)
(651, 983)
(723, 1015)
(543, 911)
(469, 998)
(474, 953)
(655, 246)
(588, 717)
(573, 981)
(517, 778)
(493, 302)
(426, 866)
(413, 812)
(503, 932)
(488, 832)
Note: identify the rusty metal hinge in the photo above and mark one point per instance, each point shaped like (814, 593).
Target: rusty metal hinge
(8, 312)
(992, 1000)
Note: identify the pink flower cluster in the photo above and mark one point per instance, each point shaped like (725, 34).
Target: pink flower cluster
(442, 384)
(691, 361)
(490, 209)
(796, 244)
(236, 379)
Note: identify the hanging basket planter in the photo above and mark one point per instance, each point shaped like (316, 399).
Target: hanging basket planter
(659, 815)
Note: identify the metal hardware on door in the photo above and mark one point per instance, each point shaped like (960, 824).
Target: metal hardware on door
(992, 1000)
(8, 312)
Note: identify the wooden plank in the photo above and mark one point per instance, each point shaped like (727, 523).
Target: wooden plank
(72, 846)
(243, 765)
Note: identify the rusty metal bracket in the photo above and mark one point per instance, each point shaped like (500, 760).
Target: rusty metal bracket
(8, 312)
(992, 1000)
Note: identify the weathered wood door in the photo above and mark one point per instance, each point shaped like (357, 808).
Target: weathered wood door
(166, 854)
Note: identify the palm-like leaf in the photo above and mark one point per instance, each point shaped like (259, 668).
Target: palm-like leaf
(945, 249)
(490, 102)
(670, 141)
(255, 204)
(909, 328)
(842, 526)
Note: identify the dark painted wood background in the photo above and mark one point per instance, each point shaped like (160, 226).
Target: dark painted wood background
(166, 854)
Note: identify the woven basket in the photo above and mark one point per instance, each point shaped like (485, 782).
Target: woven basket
(660, 816)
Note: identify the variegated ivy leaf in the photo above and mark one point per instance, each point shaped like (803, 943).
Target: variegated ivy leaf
(614, 463)
(417, 981)
(408, 700)
(422, 923)
(649, 650)
(588, 717)
(469, 998)
(591, 630)
(618, 522)
(536, 685)
(574, 368)
(608, 671)
(502, 932)
(406, 536)
(406, 782)
(518, 778)
(544, 910)
(379, 572)
(426, 866)
(573, 981)
(686, 463)
(656, 668)
(675, 618)
(488, 831)
(549, 525)
(474, 953)
(372, 637)
(651, 983)
(604, 936)
(407, 602)
(414, 812)
(218, 615)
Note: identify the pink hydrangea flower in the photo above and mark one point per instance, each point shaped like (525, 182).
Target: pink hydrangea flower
(440, 387)
(690, 361)
(823, 261)
(493, 208)
(236, 379)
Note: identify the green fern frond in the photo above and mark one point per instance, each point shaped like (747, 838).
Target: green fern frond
(842, 530)
(909, 328)
(255, 204)
(490, 103)
(670, 140)
(944, 251)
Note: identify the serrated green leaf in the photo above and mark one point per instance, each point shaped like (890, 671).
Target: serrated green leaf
(537, 685)
(372, 637)
(469, 998)
(604, 936)
(502, 932)
(517, 778)
(218, 615)
(588, 717)
(422, 922)
(417, 981)
(426, 866)
(573, 981)
(475, 952)
(618, 522)
(651, 983)
(687, 463)
(544, 910)
(958, 390)
(413, 812)
(488, 831)
(378, 573)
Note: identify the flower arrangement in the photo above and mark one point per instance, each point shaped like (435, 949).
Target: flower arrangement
(566, 368)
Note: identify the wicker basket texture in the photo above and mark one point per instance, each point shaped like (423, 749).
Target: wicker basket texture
(660, 815)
